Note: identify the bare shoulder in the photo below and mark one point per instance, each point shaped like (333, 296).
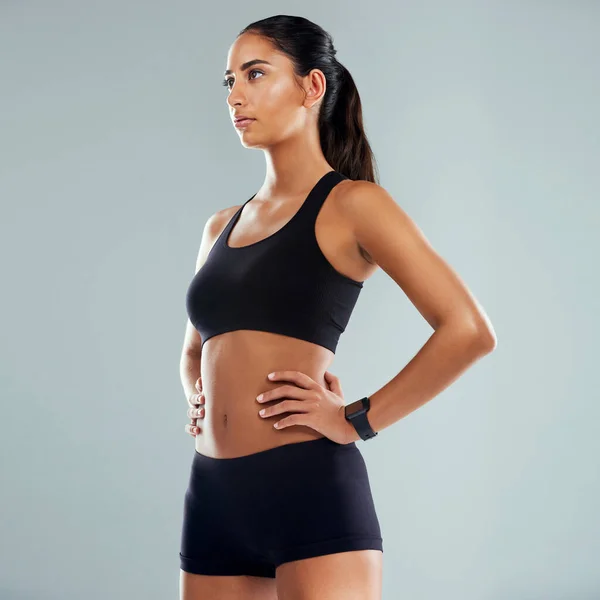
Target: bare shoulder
(356, 190)
(213, 228)
(217, 221)
(367, 204)
(354, 198)
(354, 194)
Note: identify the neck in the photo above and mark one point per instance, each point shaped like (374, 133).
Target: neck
(293, 166)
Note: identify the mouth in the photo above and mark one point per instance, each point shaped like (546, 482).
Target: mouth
(241, 123)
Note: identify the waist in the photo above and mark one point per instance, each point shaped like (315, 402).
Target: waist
(234, 369)
(314, 449)
(238, 362)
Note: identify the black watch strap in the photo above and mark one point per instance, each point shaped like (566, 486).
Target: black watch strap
(356, 413)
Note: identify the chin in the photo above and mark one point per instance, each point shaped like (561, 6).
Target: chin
(248, 142)
(250, 145)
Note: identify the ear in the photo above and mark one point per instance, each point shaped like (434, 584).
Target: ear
(315, 86)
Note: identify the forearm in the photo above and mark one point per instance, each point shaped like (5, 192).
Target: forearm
(189, 371)
(449, 352)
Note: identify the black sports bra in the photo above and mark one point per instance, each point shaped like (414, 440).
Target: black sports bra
(282, 284)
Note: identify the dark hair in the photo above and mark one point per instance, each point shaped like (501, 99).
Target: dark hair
(343, 140)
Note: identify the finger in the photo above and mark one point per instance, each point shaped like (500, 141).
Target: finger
(198, 384)
(299, 378)
(295, 419)
(195, 413)
(334, 383)
(286, 391)
(192, 429)
(295, 406)
(196, 399)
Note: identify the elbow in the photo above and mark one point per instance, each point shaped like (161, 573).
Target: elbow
(476, 333)
(490, 342)
(479, 334)
(486, 338)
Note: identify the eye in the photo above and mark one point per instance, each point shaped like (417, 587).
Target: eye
(256, 71)
(226, 81)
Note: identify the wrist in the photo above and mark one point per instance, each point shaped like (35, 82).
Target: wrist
(353, 435)
(356, 414)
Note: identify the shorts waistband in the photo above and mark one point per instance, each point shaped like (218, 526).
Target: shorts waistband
(286, 451)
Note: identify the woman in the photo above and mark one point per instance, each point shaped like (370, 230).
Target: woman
(279, 504)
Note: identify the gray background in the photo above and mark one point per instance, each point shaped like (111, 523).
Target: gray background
(116, 146)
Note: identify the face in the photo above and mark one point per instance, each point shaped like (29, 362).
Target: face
(281, 104)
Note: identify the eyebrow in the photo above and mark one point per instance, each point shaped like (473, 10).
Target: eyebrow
(248, 64)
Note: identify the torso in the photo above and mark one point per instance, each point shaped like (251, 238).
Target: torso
(235, 364)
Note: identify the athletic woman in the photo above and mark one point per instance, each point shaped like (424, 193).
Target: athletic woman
(279, 504)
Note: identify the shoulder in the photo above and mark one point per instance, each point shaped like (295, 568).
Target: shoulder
(362, 202)
(356, 192)
(377, 221)
(213, 228)
(358, 203)
(218, 220)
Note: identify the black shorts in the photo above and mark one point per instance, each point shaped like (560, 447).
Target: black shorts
(249, 514)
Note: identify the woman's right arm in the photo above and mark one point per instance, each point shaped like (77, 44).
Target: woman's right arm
(191, 354)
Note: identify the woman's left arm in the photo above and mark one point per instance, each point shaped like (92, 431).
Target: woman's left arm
(462, 330)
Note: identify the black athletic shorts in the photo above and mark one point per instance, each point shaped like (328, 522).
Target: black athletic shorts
(249, 514)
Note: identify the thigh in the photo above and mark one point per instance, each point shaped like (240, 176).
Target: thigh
(222, 587)
(219, 545)
(355, 575)
(321, 504)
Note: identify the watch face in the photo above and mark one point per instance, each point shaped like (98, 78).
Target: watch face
(355, 409)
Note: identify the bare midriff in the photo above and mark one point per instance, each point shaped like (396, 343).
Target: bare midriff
(234, 369)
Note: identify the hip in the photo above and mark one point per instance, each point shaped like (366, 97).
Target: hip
(280, 504)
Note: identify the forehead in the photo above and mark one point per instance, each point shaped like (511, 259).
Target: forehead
(249, 46)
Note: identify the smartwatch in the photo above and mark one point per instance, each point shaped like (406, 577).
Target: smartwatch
(356, 413)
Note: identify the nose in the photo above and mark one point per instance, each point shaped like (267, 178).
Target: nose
(236, 96)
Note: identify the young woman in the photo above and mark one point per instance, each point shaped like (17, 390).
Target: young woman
(278, 503)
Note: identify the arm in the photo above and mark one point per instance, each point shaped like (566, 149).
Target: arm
(462, 331)
(189, 371)
(191, 354)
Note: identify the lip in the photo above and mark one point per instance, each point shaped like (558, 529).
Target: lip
(242, 122)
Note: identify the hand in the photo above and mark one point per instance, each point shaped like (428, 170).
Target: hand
(195, 412)
(317, 407)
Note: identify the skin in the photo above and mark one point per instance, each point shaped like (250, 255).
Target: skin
(286, 109)
(359, 229)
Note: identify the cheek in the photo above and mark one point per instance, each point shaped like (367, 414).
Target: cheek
(281, 107)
